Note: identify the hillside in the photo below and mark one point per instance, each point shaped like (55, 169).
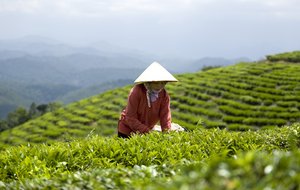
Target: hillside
(46, 79)
(244, 96)
(43, 70)
(92, 90)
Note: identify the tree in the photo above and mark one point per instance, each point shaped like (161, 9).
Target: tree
(3, 125)
(42, 108)
(54, 106)
(33, 112)
(17, 117)
(20, 115)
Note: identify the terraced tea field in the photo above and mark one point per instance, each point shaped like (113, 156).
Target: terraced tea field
(244, 96)
(76, 147)
(240, 97)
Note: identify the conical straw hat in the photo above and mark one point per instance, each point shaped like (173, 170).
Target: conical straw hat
(155, 72)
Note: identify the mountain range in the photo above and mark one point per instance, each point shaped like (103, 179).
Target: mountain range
(41, 70)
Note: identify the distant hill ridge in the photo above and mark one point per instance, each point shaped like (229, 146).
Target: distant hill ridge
(33, 66)
(244, 96)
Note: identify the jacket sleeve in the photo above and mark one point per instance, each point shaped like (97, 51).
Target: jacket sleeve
(165, 114)
(131, 112)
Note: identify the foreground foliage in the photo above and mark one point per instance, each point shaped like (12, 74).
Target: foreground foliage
(202, 159)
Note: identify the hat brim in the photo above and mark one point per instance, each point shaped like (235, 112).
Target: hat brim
(155, 73)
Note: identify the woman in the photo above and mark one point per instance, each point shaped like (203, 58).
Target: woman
(148, 103)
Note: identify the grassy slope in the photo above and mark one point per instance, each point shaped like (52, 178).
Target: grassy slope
(239, 97)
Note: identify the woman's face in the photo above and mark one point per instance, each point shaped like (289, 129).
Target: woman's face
(157, 86)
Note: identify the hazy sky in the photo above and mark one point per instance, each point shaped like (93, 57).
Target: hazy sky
(182, 28)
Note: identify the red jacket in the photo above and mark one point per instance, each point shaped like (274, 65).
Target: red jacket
(138, 117)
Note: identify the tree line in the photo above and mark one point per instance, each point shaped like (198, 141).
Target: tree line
(22, 115)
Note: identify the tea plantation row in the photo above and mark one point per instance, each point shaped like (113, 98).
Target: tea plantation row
(240, 97)
(201, 159)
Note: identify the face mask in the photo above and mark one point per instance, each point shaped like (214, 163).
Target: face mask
(152, 95)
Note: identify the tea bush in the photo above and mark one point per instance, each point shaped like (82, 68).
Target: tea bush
(201, 159)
